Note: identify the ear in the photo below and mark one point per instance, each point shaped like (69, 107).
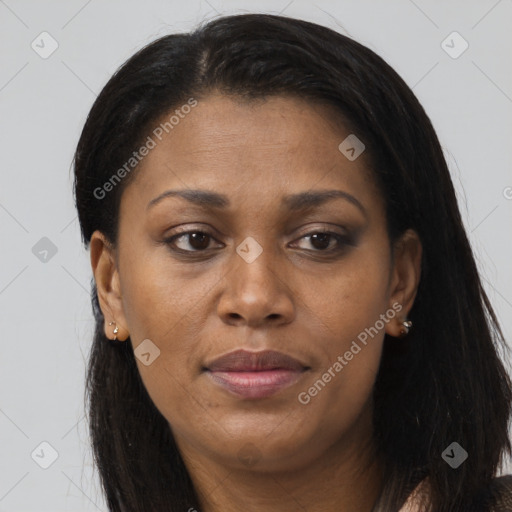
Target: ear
(106, 275)
(405, 278)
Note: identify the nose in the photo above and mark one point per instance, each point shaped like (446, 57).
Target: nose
(256, 294)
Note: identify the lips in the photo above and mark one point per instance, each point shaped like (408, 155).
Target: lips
(244, 361)
(255, 375)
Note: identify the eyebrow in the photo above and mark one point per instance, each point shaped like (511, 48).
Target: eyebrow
(294, 202)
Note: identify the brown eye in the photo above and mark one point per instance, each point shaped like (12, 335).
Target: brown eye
(326, 241)
(197, 241)
(321, 240)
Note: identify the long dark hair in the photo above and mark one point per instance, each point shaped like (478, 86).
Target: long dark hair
(445, 383)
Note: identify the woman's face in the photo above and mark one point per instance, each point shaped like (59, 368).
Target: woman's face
(253, 276)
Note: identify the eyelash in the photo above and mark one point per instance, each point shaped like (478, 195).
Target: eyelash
(342, 241)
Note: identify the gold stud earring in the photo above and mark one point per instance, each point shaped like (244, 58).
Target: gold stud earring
(116, 330)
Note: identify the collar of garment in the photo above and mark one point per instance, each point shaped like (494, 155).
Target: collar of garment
(412, 503)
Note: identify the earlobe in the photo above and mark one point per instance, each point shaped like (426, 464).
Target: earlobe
(106, 276)
(405, 279)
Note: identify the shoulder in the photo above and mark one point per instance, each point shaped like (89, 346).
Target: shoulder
(501, 491)
(497, 496)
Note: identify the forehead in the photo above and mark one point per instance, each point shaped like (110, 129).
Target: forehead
(263, 146)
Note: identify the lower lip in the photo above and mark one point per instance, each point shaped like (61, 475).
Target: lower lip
(259, 384)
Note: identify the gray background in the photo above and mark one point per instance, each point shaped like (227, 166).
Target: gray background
(45, 315)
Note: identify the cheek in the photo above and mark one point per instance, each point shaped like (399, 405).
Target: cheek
(353, 297)
(158, 298)
(349, 306)
(158, 307)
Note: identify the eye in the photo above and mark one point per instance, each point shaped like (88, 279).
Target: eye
(326, 241)
(198, 240)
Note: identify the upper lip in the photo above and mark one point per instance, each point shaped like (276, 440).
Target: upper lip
(243, 360)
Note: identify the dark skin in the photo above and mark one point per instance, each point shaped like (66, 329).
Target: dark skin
(301, 296)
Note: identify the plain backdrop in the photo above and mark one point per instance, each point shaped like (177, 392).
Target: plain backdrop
(45, 276)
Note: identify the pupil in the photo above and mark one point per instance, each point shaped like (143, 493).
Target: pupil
(324, 239)
(199, 237)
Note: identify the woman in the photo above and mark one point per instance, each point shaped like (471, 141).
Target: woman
(288, 311)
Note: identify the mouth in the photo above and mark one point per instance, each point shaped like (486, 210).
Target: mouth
(255, 375)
